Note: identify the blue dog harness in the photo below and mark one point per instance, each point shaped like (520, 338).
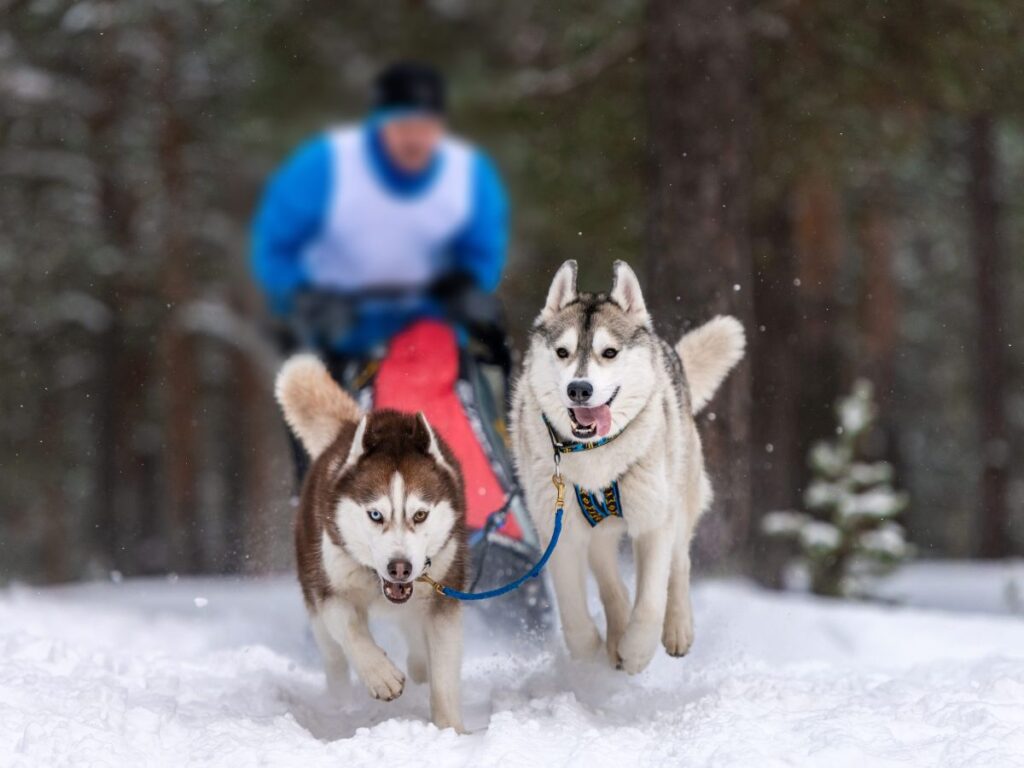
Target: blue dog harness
(597, 508)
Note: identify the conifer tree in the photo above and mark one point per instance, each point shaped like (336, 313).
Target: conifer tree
(849, 530)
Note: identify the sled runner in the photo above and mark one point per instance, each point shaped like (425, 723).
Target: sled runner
(463, 391)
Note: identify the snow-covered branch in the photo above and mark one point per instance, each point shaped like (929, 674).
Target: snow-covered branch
(219, 321)
(561, 80)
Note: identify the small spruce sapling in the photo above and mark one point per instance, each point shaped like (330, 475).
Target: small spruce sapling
(848, 532)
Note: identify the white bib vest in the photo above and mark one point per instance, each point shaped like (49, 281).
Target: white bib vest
(374, 237)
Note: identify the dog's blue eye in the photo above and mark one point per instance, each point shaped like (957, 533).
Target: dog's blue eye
(562, 352)
(375, 515)
(609, 353)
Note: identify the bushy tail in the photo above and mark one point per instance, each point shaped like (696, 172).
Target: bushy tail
(708, 354)
(314, 405)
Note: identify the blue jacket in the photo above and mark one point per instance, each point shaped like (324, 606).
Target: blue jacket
(296, 211)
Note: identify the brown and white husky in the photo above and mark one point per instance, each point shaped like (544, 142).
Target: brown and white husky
(382, 502)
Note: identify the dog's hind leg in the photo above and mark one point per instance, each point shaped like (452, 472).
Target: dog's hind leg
(335, 663)
(570, 580)
(604, 562)
(640, 640)
(444, 649)
(677, 634)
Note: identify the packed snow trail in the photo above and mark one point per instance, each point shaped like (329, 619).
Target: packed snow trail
(223, 673)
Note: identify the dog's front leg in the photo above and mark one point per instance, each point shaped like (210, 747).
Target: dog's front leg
(604, 562)
(444, 653)
(335, 662)
(569, 577)
(640, 640)
(349, 627)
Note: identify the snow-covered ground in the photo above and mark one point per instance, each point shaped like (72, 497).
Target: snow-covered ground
(220, 672)
(995, 586)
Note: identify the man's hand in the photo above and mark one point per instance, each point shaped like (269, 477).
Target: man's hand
(321, 318)
(467, 304)
(478, 311)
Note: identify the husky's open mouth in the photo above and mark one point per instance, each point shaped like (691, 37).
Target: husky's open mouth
(592, 421)
(396, 592)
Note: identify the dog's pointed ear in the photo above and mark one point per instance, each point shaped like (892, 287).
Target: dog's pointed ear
(358, 447)
(626, 289)
(426, 436)
(562, 290)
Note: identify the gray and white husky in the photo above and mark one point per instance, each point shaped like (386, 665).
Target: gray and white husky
(617, 404)
(382, 502)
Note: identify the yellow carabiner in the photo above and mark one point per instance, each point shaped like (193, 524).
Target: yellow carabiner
(439, 588)
(559, 489)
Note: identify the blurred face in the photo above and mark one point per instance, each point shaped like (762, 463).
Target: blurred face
(410, 142)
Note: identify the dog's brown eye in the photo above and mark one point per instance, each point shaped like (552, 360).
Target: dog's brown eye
(420, 516)
(609, 353)
(562, 352)
(375, 515)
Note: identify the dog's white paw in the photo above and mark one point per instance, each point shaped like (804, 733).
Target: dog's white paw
(677, 635)
(584, 643)
(637, 646)
(417, 666)
(382, 679)
(449, 721)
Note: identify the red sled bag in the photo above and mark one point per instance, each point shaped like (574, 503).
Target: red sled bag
(420, 373)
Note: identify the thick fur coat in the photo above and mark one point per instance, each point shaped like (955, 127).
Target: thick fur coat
(596, 369)
(383, 503)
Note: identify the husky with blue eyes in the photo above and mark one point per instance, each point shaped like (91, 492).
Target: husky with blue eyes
(615, 404)
(382, 502)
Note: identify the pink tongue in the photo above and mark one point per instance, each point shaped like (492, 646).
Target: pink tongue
(600, 415)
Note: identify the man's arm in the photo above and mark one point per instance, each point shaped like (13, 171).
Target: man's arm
(480, 248)
(291, 214)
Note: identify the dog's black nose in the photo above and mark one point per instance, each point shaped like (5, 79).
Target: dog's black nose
(580, 391)
(399, 570)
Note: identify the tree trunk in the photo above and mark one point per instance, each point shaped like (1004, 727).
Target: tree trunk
(776, 461)
(817, 239)
(699, 259)
(56, 554)
(990, 280)
(122, 374)
(256, 410)
(879, 301)
(116, 529)
(879, 321)
(181, 376)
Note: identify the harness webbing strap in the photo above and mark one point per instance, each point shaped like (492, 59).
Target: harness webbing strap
(571, 446)
(598, 507)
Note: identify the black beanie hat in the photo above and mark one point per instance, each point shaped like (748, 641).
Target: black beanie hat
(409, 85)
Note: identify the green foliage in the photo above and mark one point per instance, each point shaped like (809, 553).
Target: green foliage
(849, 529)
(871, 95)
(96, 98)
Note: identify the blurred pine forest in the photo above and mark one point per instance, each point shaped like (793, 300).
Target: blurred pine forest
(839, 174)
